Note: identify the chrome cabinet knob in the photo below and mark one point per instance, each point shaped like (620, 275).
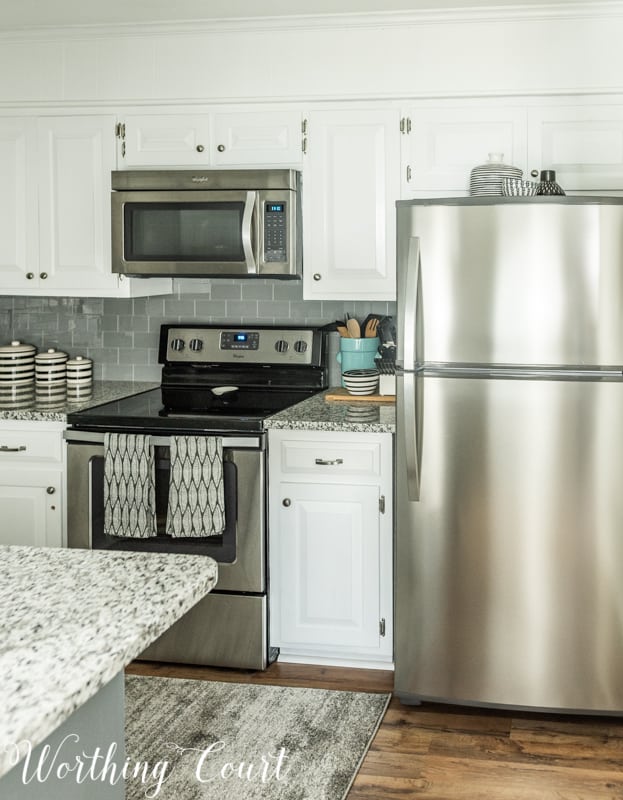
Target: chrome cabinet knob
(317, 276)
(200, 148)
(534, 173)
(286, 502)
(50, 490)
(30, 275)
(221, 148)
(43, 275)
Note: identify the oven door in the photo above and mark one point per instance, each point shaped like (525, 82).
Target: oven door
(240, 550)
(185, 233)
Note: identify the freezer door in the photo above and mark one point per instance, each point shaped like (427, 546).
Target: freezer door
(511, 283)
(509, 566)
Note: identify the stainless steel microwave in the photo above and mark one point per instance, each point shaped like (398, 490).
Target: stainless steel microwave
(210, 223)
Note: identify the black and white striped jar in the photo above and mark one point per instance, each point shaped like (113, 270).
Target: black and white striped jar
(50, 376)
(17, 373)
(79, 378)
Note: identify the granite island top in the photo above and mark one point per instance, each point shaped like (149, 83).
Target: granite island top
(70, 620)
(103, 392)
(317, 413)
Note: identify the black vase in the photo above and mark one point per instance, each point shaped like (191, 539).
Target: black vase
(548, 185)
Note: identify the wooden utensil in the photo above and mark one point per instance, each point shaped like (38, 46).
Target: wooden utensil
(353, 328)
(343, 330)
(371, 328)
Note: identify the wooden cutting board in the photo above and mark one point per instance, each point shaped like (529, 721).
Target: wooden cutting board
(341, 394)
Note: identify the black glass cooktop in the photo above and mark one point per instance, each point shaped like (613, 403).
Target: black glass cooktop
(195, 411)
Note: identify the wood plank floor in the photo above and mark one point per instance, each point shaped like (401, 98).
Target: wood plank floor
(454, 753)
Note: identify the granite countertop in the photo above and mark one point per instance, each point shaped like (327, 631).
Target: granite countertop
(319, 414)
(70, 620)
(103, 392)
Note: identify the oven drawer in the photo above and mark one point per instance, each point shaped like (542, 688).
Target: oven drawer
(222, 630)
(327, 454)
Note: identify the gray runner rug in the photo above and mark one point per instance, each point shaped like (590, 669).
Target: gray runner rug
(207, 740)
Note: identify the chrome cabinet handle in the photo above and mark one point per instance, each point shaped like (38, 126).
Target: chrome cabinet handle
(221, 148)
(30, 275)
(200, 148)
(5, 449)
(50, 490)
(328, 462)
(43, 275)
(286, 502)
(317, 276)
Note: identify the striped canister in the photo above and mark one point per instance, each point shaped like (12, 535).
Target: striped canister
(17, 373)
(50, 376)
(79, 378)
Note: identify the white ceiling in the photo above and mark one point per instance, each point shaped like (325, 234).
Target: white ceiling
(26, 14)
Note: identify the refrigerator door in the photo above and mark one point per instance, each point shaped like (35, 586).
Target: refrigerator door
(508, 582)
(516, 282)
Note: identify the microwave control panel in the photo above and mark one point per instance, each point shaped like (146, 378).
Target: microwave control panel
(275, 231)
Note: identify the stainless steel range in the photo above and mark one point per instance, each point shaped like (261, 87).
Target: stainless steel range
(216, 381)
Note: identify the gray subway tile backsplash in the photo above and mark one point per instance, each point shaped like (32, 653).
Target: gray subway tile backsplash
(121, 335)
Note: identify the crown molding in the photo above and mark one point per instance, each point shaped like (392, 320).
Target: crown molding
(582, 9)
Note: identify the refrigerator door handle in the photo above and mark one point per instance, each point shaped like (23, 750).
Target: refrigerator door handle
(412, 441)
(406, 350)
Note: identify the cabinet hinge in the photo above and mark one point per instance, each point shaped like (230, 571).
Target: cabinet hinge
(409, 173)
(382, 504)
(382, 627)
(120, 130)
(405, 125)
(304, 136)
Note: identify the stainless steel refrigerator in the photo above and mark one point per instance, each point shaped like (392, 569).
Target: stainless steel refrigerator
(509, 498)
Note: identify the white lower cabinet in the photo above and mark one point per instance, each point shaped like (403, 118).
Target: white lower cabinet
(32, 466)
(330, 547)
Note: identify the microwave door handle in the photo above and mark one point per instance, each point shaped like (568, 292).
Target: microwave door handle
(247, 243)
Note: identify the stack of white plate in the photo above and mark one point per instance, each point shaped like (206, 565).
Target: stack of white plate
(361, 381)
(486, 179)
(50, 376)
(17, 374)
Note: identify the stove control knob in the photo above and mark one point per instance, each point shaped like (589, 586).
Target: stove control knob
(281, 346)
(196, 345)
(177, 345)
(300, 346)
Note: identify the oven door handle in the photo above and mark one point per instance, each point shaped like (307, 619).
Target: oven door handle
(229, 442)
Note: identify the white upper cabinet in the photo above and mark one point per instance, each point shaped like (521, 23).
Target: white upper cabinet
(18, 200)
(582, 143)
(257, 138)
(443, 143)
(230, 139)
(55, 202)
(350, 185)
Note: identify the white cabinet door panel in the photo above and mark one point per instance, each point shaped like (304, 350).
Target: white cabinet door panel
(18, 202)
(257, 139)
(30, 508)
(166, 140)
(583, 144)
(329, 538)
(350, 185)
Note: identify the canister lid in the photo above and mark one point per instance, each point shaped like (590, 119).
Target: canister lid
(16, 348)
(52, 356)
(80, 362)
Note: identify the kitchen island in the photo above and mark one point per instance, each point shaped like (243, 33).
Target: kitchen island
(70, 621)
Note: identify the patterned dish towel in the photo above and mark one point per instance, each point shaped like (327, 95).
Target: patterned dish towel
(196, 492)
(129, 486)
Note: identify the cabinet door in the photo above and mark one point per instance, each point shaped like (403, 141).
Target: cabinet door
(583, 144)
(165, 140)
(328, 556)
(442, 144)
(257, 139)
(351, 182)
(76, 156)
(30, 507)
(18, 203)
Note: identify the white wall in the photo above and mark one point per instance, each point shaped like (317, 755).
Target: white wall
(557, 49)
